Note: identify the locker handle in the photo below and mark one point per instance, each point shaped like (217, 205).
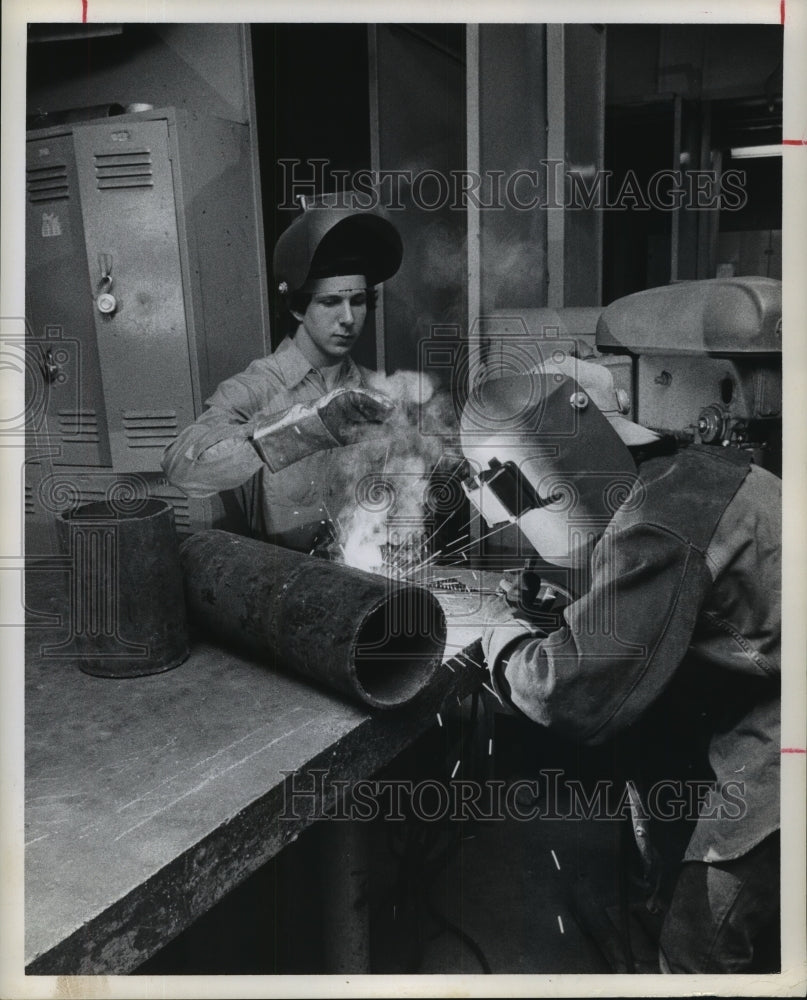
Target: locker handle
(104, 299)
(50, 370)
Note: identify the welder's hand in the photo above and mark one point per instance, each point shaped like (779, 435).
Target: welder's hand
(494, 611)
(345, 412)
(338, 418)
(522, 591)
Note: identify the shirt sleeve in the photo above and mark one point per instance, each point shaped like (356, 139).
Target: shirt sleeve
(214, 452)
(620, 643)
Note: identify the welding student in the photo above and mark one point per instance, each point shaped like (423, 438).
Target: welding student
(276, 433)
(676, 556)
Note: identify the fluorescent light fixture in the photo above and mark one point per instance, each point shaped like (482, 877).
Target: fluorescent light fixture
(751, 152)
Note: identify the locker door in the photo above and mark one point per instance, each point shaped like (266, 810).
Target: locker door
(59, 305)
(130, 228)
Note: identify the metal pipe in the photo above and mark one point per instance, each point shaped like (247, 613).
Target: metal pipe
(378, 640)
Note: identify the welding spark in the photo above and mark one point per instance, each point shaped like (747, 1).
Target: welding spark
(481, 538)
(474, 663)
(334, 520)
(439, 526)
(422, 565)
(495, 694)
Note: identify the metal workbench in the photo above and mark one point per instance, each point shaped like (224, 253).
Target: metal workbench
(148, 799)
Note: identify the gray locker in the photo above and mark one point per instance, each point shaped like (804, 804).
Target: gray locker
(146, 287)
(59, 305)
(132, 242)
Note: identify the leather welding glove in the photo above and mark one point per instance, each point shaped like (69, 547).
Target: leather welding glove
(500, 630)
(345, 411)
(534, 610)
(523, 592)
(338, 418)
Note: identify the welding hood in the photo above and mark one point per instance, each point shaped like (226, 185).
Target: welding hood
(545, 457)
(322, 235)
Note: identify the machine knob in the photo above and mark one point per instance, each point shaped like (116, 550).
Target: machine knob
(107, 303)
(712, 424)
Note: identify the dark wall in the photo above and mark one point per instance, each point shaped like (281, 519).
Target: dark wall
(513, 125)
(729, 80)
(421, 124)
(312, 103)
(199, 67)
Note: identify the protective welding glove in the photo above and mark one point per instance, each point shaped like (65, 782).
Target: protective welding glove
(535, 610)
(523, 592)
(341, 417)
(500, 630)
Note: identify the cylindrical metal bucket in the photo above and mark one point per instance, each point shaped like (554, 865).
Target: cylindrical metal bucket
(375, 639)
(127, 606)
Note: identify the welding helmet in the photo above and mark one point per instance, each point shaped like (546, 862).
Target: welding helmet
(325, 242)
(549, 452)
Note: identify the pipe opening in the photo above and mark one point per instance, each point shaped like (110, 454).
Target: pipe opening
(398, 646)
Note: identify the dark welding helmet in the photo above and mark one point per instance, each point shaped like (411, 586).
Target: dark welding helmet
(325, 242)
(549, 450)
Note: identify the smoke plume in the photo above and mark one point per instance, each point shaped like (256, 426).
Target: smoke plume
(383, 528)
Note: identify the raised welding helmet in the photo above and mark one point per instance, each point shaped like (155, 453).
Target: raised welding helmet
(549, 452)
(324, 242)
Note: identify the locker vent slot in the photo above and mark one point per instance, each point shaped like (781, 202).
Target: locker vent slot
(48, 183)
(124, 170)
(181, 505)
(29, 499)
(78, 426)
(149, 428)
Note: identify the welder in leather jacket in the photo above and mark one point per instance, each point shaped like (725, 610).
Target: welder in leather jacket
(674, 553)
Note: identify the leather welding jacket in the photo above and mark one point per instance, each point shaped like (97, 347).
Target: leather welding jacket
(214, 454)
(690, 577)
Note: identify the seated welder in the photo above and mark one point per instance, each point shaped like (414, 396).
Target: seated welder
(673, 556)
(282, 435)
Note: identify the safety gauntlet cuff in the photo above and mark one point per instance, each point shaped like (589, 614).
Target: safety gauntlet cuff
(498, 642)
(298, 434)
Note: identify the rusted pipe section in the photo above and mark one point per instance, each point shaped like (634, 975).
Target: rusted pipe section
(378, 640)
(127, 615)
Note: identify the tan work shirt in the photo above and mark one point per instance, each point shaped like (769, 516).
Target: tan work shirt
(213, 454)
